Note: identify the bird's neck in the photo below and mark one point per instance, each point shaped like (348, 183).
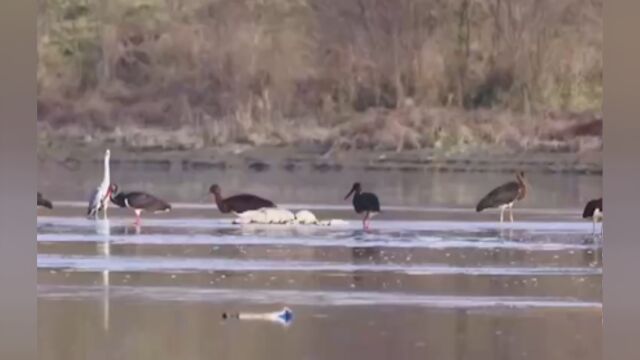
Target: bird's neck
(219, 202)
(106, 169)
(118, 199)
(523, 187)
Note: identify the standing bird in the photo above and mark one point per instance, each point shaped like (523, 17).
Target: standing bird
(44, 202)
(594, 211)
(505, 196)
(99, 199)
(364, 202)
(138, 201)
(238, 204)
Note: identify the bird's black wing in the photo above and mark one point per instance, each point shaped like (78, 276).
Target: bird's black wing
(118, 199)
(501, 195)
(367, 202)
(44, 202)
(142, 200)
(591, 207)
(245, 202)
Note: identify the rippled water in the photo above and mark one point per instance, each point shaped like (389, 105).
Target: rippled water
(437, 282)
(399, 278)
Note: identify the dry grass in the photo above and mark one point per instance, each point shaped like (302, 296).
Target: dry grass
(392, 74)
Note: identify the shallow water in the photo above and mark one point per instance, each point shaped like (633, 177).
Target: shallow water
(429, 280)
(528, 290)
(415, 189)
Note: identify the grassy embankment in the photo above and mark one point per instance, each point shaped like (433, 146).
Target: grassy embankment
(446, 77)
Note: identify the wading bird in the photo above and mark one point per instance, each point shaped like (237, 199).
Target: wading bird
(238, 204)
(138, 201)
(364, 202)
(44, 202)
(99, 199)
(594, 211)
(505, 196)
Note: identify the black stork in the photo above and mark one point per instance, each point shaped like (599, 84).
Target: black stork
(240, 203)
(44, 202)
(138, 201)
(594, 211)
(505, 196)
(364, 202)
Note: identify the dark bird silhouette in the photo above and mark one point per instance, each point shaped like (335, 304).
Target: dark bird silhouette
(594, 211)
(44, 202)
(240, 203)
(138, 201)
(364, 202)
(505, 196)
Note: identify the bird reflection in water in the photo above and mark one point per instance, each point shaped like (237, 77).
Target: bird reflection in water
(103, 227)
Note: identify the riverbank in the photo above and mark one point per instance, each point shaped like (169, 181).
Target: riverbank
(407, 139)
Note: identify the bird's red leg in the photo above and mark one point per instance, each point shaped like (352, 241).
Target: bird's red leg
(137, 222)
(365, 221)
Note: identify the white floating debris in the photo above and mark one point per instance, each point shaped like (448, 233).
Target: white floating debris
(306, 217)
(283, 217)
(279, 216)
(284, 316)
(333, 222)
(265, 216)
(251, 216)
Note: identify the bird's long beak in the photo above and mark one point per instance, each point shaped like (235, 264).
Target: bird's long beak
(349, 194)
(208, 198)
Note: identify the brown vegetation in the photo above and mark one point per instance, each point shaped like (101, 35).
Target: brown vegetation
(385, 74)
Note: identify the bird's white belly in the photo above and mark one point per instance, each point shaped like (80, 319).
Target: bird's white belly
(598, 215)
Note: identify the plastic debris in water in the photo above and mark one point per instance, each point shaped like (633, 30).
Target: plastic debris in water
(283, 317)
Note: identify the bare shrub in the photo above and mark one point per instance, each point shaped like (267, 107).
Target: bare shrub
(288, 71)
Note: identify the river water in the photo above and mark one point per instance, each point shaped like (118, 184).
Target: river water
(431, 279)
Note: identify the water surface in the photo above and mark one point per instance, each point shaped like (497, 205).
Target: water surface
(432, 279)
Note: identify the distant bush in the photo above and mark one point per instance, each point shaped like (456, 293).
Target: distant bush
(241, 70)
